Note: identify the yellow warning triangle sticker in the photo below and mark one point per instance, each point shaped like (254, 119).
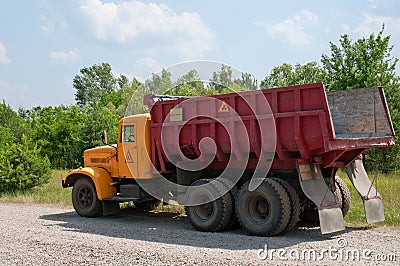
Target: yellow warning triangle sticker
(128, 158)
(224, 108)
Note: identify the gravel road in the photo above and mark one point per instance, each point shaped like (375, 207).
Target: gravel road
(54, 235)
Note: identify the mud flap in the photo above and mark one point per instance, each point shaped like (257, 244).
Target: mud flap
(373, 205)
(315, 188)
(110, 207)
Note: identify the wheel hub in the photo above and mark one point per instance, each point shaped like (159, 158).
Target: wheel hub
(204, 211)
(85, 197)
(259, 208)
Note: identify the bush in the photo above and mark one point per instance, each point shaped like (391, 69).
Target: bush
(22, 168)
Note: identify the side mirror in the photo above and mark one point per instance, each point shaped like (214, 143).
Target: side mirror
(104, 139)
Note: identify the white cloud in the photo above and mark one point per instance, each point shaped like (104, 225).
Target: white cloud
(371, 23)
(69, 56)
(345, 28)
(371, 4)
(3, 55)
(53, 26)
(309, 16)
(292, 30)
(149, 64)
(146, 66)
(17, 95)
(156, 24)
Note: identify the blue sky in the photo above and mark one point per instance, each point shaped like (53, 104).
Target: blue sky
(44, 44)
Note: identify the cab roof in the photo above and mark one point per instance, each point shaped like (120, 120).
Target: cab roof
(135, 118)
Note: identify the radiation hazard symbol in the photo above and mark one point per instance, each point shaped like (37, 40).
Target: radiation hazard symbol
(128, 158)
(224, 108)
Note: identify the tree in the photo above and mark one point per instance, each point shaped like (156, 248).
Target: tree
(288, 75)
(63, 133)
(97, 85)
(190, 84)
(22, 167)
(6, 137)
(94, 121)
(159, 84)
(56, 131)
(223, 81)
(11, 123)
(364, 63)
(246, 82)
(130, 102)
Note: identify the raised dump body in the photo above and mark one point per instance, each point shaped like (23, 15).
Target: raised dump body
(329, 128)
(301, 134)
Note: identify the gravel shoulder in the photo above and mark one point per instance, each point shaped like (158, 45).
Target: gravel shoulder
(56, 235)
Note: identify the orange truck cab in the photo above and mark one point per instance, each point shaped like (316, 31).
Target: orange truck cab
(109, 172)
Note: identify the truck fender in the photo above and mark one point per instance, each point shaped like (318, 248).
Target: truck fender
(99, 176)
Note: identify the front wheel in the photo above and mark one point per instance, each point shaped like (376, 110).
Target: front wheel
(84, 198)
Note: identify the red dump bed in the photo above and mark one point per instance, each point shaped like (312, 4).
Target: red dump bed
(330, 128)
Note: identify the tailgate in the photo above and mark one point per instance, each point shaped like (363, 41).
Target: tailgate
(360, 113)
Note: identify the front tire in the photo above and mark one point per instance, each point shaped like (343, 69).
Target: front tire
(84, 198)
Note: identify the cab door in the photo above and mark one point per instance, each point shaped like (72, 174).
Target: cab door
(127, 151)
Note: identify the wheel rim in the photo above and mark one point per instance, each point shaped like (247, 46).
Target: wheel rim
(259, 208)
(85, 197)
(204, 211)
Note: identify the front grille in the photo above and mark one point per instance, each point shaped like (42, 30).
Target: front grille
(98, 160)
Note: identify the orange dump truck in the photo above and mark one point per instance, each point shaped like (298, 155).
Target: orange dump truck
(265, 158)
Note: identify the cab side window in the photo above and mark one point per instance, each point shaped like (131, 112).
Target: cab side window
(128, 133)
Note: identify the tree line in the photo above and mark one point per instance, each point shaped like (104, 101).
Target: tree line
(33, 141)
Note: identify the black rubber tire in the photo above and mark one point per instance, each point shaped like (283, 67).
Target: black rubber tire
(84, 198)
(233, 221)
(343, 193)
(213, 216)
(294, 204)
(309, 216)
(263, 211)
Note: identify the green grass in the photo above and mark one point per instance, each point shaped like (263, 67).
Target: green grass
(178, 209)
(160, 207)
(389, 187)
(50, 193)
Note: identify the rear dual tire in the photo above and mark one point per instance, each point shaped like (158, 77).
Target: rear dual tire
(216, 214)
(273, 208)
(264, 211)
(294, 200)
(342, 192)
(310, 216)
